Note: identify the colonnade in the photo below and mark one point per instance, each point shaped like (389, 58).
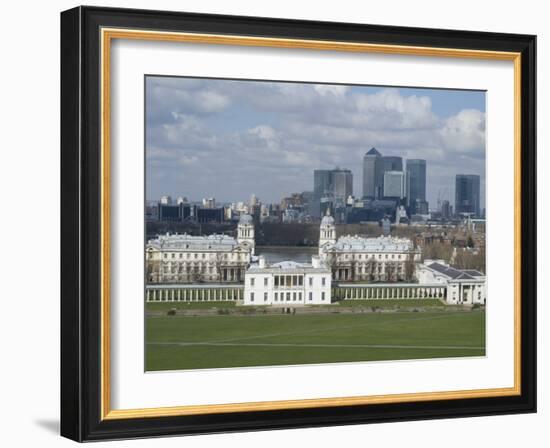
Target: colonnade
(167, 294)
(358, 292)
(387, 291)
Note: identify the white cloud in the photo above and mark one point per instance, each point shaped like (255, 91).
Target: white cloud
(465, 131)
(280, 132)
(326, 89)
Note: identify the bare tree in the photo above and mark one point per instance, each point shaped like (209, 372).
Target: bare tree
(409, 268)
(331, 262)
(391, 271)
(218, 266)
(468, 259)
(369, 268)
(437, 251)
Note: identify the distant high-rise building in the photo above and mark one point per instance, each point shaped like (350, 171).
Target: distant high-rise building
(342, 185)
(176, 213)
(210, 214)
(392, 163)
(416, 182)
(421, 207)
(394, 184)
(166, 200)
(467, 198)
(209, 203)
(321, 186)
(445, 210)
(336, 184)
(373, 172)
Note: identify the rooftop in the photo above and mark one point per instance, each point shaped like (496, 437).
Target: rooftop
(381, 244)
(245, 219)
(287, 266)
(190, 242)
(373, 152)
(455, 274)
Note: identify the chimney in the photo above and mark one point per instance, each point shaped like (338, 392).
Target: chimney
(262, 261)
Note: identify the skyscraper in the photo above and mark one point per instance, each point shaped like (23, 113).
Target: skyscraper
(416, 181)
(445, 210)
(373, 172)
(467, 198)
(394, 184)
(337, 184)
(342, 184)
(321, 185)
(392, 163)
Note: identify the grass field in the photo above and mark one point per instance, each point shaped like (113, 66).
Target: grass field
(185, 342)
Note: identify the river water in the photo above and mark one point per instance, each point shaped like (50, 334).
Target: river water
(276, 254)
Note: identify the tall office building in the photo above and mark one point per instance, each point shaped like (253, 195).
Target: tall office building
(208, 203)
(336, 184)
(373, 174)
(392, 163)
(394, 184)
(321, 186)
(416, 182)
(445, 210)
(342, 185)
(467, 198)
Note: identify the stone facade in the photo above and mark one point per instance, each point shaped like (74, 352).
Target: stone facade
(194, 259)
(355, 258)
(287, 284)
(464, 286)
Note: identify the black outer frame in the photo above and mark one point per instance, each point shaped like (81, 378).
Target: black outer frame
(80, 223)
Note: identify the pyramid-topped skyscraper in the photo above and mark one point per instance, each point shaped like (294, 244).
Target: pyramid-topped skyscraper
(373, 174)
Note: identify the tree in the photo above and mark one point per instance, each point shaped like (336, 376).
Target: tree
(330, 261)
(467, 259)
(391, 271)
(409, 267)
(218, 265)
(437, 251)
(369, 268)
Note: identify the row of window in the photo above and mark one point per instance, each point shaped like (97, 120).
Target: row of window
(196, 256)
(374, 256)
(287, 280)
(290, 297)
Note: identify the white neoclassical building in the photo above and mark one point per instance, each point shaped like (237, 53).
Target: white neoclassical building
(356, 258)
(287, 283)
(182, 258)
(466, 286)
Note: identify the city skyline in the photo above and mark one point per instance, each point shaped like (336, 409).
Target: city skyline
(266, 138)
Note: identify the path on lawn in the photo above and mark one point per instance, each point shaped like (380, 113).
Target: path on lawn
(275, 344)
(234, 342)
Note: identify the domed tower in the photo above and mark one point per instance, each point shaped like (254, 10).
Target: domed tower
(328, 231)
(245, 231)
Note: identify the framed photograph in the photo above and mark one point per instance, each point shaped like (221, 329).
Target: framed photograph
(274, 223)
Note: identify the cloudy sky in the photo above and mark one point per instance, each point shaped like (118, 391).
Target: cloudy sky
(229, 139)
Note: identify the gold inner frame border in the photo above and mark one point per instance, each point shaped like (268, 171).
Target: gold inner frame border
(107, 35)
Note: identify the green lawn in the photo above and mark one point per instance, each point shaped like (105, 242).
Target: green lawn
(194, 342)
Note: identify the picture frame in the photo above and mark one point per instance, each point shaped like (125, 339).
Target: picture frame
(86, 177)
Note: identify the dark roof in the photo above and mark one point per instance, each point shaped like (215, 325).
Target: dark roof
(373, 152)
(473, 272)
(453, 273)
